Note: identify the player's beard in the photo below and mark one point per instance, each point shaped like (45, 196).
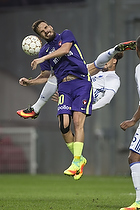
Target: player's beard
(51, 37)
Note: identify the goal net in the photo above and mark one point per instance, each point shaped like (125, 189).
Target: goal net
(18, 150)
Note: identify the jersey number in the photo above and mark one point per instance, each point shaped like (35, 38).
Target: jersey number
(61, 99)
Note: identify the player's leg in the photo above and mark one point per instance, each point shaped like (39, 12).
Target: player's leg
(79, 161)
(47, 91)
(135, 173)
(65, 128)
(75, 96)
(64, 115)
(134, 162)
(65, 125)
(104, 57)
(82, 106)
(75, 147)
(78, 121)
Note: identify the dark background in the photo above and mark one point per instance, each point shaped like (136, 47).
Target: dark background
(97, 25)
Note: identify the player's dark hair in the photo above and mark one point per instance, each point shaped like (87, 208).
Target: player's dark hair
(35, 25)
(138, 43)
(118, 56)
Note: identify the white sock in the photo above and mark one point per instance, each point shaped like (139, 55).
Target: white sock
(104, 57)
(135, 173)
(48, 90)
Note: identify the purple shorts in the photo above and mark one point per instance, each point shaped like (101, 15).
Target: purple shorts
(75, 95)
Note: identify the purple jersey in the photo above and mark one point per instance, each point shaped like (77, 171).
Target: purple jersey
(72, 63)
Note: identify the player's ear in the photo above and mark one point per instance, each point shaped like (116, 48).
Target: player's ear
(114, 60)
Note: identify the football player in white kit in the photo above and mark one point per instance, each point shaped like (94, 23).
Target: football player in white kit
(104, 79)
(105, 83)
(134, 149)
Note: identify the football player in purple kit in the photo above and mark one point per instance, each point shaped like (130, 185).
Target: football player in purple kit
(62, 54)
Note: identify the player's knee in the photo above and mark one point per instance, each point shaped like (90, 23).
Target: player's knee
(133, 157)
(64, 129)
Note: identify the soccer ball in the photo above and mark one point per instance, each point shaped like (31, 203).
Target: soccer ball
(31, 45)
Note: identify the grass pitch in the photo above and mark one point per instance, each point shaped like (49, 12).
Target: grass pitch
(59, 192)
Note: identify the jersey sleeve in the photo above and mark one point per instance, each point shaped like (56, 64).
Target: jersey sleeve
(137, 78)
(45, 65)
(104, 100)
(67, 36)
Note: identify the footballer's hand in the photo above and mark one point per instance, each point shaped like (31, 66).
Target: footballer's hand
(37, 61)
(127, 124)
(24, 81)
(55, 97)
(34, 64)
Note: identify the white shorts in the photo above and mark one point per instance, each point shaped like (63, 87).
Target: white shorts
(135, 144)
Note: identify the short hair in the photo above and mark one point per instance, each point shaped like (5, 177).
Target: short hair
(138, 42)
(118, 56)
(35, 25)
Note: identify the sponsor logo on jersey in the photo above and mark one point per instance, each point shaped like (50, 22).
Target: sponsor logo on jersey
(64, 107)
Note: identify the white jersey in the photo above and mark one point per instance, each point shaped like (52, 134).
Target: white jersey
(135, 143)
(137, 78)
(104, 82)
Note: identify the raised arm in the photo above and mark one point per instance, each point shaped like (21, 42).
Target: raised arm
(104, 100)
(40, 79)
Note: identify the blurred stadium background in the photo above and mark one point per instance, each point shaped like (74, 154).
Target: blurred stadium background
(36, 146)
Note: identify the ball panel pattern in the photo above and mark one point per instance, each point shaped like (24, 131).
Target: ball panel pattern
(31, 45)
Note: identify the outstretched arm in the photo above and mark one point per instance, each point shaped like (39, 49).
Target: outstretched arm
(104, 100)
(40, 79)
(129, 123)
